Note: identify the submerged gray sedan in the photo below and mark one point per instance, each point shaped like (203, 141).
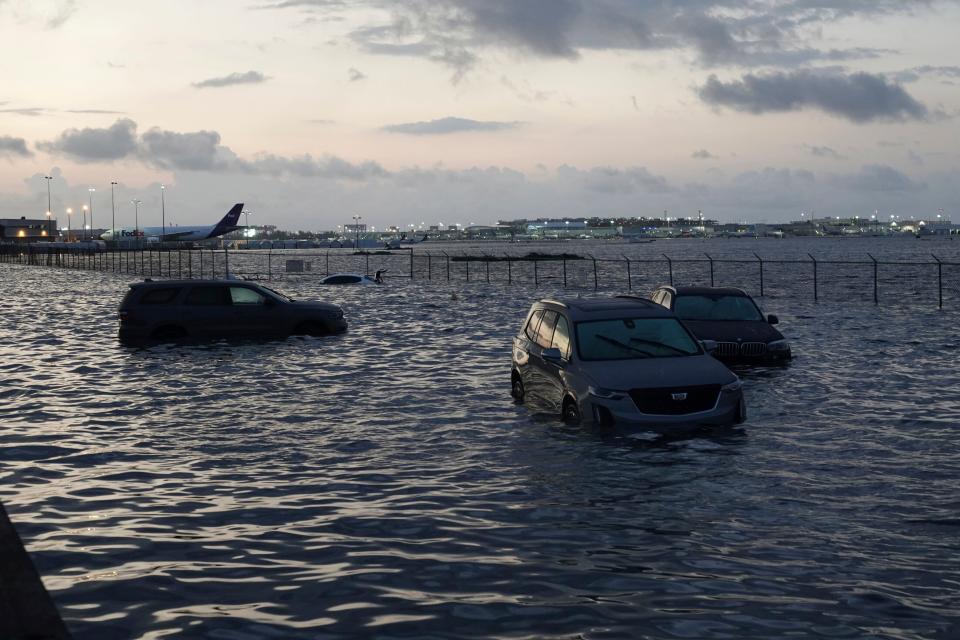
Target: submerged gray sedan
(622, 360)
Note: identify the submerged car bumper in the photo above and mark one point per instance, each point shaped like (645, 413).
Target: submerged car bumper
(621, 410)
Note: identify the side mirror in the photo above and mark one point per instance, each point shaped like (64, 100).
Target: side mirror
(709, 346)
(772, 319)
(553, 356)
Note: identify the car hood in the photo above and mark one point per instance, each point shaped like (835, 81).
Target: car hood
(731, 331)
(686, 371)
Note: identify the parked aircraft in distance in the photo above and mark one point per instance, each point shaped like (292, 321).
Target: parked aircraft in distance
(177, 234)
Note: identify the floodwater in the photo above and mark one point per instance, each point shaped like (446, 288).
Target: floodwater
(382, 483)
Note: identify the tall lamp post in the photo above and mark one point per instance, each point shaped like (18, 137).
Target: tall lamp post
(69, 213)
(113, 212)
(136, 221)
(90, 201)
(163, 213)
(83, 229)
(356, 228)
(49, 207)
(246, 223)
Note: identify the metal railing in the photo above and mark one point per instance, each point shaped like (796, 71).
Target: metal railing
(818, 278)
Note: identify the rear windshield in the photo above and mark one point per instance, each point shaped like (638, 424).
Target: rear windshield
(716, 308)
(634, 338)
(164, 295)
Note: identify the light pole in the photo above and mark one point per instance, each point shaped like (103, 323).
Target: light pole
(163, 213)
(113, 212)
(49, 227)
(246, 224)
(90, 200)
(356, 227)
(69, 212)
(83, 229)
(49, 207)
(136, 221)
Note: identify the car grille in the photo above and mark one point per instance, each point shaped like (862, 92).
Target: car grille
(662, 402)
(747, 349)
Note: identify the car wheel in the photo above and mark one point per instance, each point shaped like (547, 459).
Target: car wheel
(571, 412)
(169, 333)
(516, 389)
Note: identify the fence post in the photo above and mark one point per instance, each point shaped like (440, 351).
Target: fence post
(876, 298)
(488, 267)
(201, 263)
(467, 262)
(596, 282)
(429, 266)
(270, 263)
(366, 267)
(564, 273)
(411, 264)
(448, 264)
(670, 267)
(815, 292)
(760, 260)
(939, 279)
(509, 269)
(536, 274)
(629, 278)
(711, 267)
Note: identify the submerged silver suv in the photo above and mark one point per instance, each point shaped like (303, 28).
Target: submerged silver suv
(621, 360)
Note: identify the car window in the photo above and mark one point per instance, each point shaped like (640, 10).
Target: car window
(164, 295)
(545, 332)
(245, 295)
(561, 337)
(702, 307)
(532, 325)
(633, 338)
(209, 296)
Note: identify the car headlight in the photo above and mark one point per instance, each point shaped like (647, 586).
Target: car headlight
(732, 386)
(779, 345)
(606, 394)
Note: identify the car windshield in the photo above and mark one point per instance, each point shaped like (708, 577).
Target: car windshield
(632, 338)
(702, 307)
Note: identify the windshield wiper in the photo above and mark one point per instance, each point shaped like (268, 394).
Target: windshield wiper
(623, 345)
(663, 344)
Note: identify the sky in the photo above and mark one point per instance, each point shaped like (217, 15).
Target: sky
(472, 111)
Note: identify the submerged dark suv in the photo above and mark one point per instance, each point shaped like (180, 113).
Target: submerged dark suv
(729, 317)
(621, 360)
(174, 309)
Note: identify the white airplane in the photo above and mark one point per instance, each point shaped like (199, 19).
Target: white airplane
(226, 225)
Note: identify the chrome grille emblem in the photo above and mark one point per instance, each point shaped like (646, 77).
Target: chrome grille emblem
(678, 396)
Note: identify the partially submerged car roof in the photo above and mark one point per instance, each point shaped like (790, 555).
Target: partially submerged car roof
(616, 307)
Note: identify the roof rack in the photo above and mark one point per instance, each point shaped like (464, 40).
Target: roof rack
(556, 302)
(638, 299)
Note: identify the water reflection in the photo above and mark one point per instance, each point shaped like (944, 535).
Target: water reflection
(382, 482)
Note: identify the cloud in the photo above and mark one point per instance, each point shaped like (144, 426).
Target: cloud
(250, 77)
(196, 151)
(14, 147)
(26, 111)
(459, 33)
(703, 154)
(822, 152)
(52, 14)
(914, 74)
(614, 180)
(448, 125)
(96, 145)
(95, 111)
(858, 97)
(877, 178)
(355, 75)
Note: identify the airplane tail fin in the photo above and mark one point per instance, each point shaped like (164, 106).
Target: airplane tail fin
(228, 222)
